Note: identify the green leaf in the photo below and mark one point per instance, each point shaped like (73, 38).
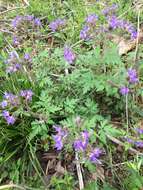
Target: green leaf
(37, 129)
(111, 56)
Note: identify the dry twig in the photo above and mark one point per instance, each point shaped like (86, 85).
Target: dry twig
(12, 186)
(79, 173)
(137, 40)
(12, 9)
(113, 139)
(26, 2)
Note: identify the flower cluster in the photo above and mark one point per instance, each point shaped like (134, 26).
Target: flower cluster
(27, 57)
(69, 55)
(115, 23)
(110, 10)
(91, 19)
(94, 155)
(59, 137)
(81, 144)
(89, 28)
(26, 94)
(12, 101)
(21, 24)
(9, 118)
(85, 33)
(15, 41)
(133, 78)
(139, 131)
(137, 143)
(124, 90)
(132, 74)
(13, 63)
(57, 24)
(89, 31)
(19, 21)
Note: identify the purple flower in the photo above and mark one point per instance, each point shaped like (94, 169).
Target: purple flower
(16, 21)
(78, 145)
(113, 22)
(4, 103)
(27, 94)
(11, 99)
(85, 137)
(134, 34)
(94, 155)
(9, 118)
(5, 114)
(129, 140)
(69, 55)
(140, 131)
(59, 137)
(19, 20)
(17, 66)
(13, 55)
(37, 22)
(139, 144)
(15, 41)
(132, 74)
(130, 28)
(91, 19)
(57, 24)
(29, 17)
(59, 130)
(81, 144)
(27, 57)
(124, 90)
(85, 33)
(58, 142)
(110, 9)
(13, 68)
(13, 62)
(7, 95)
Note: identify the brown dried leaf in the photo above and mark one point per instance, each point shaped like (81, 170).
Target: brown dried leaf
(99, 174)
(59, 169)
(124, 46)
(49, 155)
(50, 166)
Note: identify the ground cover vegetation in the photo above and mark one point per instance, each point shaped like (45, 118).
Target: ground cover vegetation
(71, 95)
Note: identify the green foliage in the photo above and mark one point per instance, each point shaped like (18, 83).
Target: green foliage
(92, 186)
(134, 181)
(82, 96)
(106, 129)
(65, 183)
(95, 186)
(37, 128)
